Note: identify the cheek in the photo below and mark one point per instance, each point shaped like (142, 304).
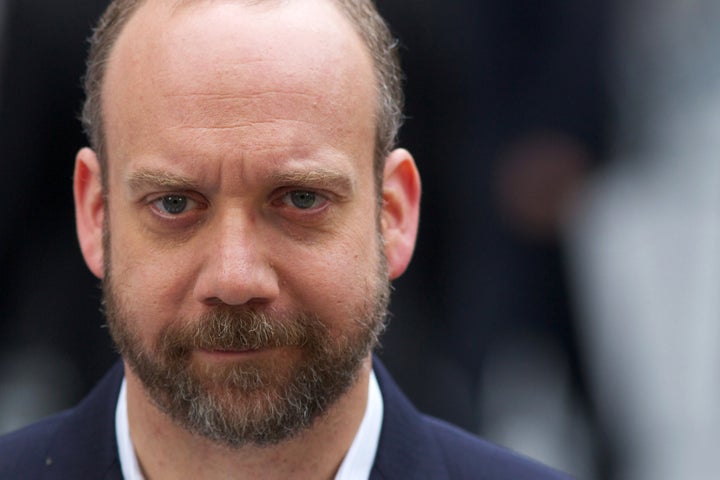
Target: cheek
(342, 272)
(336, 281)
(152, 283)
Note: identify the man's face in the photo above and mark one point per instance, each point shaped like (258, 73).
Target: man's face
(244, 279)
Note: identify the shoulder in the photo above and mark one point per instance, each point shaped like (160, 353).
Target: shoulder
(413, 445)
(24, 453)
(467, 455)
(77, 443)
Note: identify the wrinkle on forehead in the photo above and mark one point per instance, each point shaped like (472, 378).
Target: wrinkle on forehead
(239, 125)
(268, 104)
(225, 96)
(179, 4)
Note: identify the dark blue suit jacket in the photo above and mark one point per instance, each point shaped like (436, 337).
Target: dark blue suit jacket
(80, 444)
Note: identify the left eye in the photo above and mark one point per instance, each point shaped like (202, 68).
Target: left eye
(303, 199)
(174, 204)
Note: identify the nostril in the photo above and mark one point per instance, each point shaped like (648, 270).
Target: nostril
(219, 284)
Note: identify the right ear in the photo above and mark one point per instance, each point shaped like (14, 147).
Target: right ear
(89, 209)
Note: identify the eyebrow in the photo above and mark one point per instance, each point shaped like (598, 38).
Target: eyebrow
(156, 178)
(318, 177)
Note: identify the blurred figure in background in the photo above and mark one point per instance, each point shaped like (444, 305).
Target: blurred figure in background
(52, 346)
(513, 94)
(647, 245)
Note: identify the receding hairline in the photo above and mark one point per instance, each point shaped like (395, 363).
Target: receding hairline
(140, 51)
(176, 5)
(361, 15)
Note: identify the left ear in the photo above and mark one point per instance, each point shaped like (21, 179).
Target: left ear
(400, 210)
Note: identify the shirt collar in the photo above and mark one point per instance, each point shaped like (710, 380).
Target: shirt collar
(128, 460)
(357, 462)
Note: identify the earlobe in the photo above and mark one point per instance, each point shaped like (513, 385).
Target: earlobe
(89, 209)
(400, 211)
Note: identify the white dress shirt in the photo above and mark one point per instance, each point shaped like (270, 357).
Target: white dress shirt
(355, 466)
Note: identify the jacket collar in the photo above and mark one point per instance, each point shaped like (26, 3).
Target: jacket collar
(85, 446)
(407, 449)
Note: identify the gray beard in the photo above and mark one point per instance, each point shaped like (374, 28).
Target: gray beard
(259, 401)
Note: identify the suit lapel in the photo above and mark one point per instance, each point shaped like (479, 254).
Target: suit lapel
(85, 445)
(407, 449)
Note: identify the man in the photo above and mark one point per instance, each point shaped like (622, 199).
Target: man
(245, 211)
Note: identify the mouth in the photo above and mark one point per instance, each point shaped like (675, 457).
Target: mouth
(267, 353)
(230, 354)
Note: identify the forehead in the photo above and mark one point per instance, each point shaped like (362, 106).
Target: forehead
(231, 36)
(209, 62)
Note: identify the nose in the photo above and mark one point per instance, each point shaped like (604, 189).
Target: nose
(237, 268)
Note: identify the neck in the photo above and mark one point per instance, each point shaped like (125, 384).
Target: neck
(168, 451)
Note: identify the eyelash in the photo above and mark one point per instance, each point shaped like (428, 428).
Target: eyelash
(192, 203)
(319, 200)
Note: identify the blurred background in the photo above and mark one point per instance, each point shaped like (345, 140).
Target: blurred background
(564, 299)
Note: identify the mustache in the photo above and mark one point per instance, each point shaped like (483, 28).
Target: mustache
(240, 329)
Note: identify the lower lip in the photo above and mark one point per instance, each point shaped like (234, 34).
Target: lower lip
(231, 354)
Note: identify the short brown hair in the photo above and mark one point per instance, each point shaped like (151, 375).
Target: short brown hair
(362, 14)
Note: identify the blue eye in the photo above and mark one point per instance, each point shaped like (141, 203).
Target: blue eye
(174, 204)
(303, 200)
